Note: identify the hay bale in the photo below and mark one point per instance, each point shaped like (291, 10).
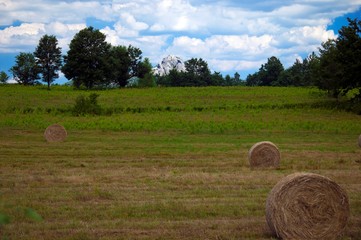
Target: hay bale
(55, 133)
(264, 154)
(307, 206)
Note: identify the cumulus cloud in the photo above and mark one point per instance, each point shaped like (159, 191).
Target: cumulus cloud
(26, 37)
(231, 35)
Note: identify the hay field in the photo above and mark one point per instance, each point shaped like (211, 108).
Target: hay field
(165, 163)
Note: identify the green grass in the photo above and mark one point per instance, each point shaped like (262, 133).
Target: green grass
(165, 163)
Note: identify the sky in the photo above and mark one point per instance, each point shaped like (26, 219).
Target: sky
(230, 35)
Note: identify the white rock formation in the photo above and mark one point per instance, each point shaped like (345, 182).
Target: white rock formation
(168, 63)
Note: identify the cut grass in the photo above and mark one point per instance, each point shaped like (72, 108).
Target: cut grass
(167, 174)
(155, 185)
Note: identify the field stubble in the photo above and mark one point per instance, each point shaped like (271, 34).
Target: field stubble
(168, 174)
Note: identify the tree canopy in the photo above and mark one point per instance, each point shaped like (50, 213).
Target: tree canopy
(49, 59)
(25, 70)
(86, 61)
(4, 77)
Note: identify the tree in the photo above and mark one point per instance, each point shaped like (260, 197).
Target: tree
(86, 61)
(146, 78)
(268, 74)
(294, 75)
(330, 69)
(198, 71)
(272, 70)
(48, 58)
(135, 55)
(348, 45)
(312, 69)
(25, 70)
(120, 64)
(144, 67)
(217, 79)
(252, 79)
(3, 77)
(340, 61)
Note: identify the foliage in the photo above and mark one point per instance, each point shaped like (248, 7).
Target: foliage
(3, 77)
(87, 105)
(268, 74)
(197, 74)
(348, 45)
(119, 65)
(92, 62)
(135, 55)
(330, 70)
(300, 74)
(86, 61)
(340, 61)
(144, 68)
(25, 70)
(49, 59)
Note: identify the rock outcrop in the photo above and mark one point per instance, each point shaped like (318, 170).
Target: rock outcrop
(168, 63)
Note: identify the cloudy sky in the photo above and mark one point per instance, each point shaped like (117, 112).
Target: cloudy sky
(231, 35)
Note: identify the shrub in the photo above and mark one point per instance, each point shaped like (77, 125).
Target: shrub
(87, 105)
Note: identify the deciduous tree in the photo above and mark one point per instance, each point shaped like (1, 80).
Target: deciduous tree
(25, 70)
(3, 77)
(86, 61)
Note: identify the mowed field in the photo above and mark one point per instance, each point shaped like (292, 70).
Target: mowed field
(165, 163)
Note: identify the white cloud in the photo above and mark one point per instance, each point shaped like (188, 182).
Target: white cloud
(133, 23)
(23, 36)
(26, 36)
(228, 34)
(233, 65)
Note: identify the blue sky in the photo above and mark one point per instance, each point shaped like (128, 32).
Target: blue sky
(231, 35)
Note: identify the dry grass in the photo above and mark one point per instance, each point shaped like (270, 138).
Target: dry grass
(55, 133)
(149, 185)
(307, 206)
(264, 154)
(165, 163)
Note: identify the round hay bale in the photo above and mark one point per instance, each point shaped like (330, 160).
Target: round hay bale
(264, 154)
(307, 206)
(55, 133)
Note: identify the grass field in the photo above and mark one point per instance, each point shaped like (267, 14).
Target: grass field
(165, 163)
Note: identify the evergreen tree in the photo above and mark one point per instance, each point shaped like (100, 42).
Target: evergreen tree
(348, 45)
(271, 71)
(48, 58)
(198, 72)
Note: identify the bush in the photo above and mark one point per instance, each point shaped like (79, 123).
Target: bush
(87, 105)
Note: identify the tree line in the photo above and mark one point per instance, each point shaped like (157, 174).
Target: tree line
(92, 62)
(336, 68)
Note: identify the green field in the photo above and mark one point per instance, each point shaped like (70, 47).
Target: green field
(165, 163)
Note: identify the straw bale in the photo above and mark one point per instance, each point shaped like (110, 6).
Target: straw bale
(307, 206)
(55, 133)
(264, 154)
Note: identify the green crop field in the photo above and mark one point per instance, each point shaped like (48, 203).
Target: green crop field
(165, 163)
